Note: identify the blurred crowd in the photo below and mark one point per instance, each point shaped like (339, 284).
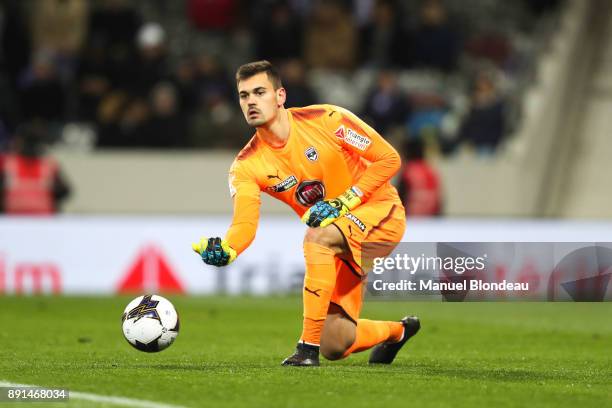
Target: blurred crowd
(159, 74)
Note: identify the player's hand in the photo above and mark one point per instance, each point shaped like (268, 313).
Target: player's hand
(215, 251)
(325, 212)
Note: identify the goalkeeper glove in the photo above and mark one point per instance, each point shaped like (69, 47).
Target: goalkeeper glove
(215, 251)
(325, 212)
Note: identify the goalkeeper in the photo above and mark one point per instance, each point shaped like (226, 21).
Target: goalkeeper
(334, 171)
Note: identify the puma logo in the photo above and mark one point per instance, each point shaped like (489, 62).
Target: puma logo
(271, 176)
(314, 292)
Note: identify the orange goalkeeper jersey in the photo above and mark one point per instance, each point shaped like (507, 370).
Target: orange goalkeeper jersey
(329, 149)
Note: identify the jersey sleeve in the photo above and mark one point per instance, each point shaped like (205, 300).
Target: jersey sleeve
(246, 195)
(358, 137)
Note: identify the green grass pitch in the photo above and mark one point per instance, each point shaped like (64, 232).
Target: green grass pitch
(229, 350)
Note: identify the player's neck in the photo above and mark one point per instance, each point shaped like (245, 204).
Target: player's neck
(276, 133)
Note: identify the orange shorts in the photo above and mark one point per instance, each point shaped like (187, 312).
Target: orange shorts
(380, 225)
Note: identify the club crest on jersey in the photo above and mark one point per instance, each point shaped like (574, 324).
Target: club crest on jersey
(353, 138)
(311, 153)
(284, 185)
(309, 192)
(357, 221)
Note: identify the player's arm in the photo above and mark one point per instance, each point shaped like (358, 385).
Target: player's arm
(246, 195)
(363, 140)
(355, 136)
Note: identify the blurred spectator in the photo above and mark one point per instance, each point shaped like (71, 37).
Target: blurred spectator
(150, 66)
(212, 14)
(116, 117)
(166, 127)
(15, 42)
(485, 124)
(114, 23)
(218, 124)
(9, 110)
(42, 93)
(419, 186)
(185, 82)
(490, 46)
(93, 82)
(5, 138)
(280, 36)
(242, 43)
(211, 79)
(331, 37)
(132, 124)
(362, 12)
(299, 92)
(382, 41)
(215, 122)
(435, 42)
(428, 110)
(113, 28)
(60, 26)
(31, 182)
(386, 106)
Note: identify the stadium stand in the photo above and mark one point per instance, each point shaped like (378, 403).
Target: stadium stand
(500, 77)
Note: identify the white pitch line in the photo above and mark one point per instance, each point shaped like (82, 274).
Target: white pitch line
(121, 401)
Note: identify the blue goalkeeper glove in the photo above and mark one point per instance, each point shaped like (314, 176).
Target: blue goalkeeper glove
(215, 251)
(323, 213)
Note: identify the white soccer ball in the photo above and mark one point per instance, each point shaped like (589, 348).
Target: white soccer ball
(150, 323)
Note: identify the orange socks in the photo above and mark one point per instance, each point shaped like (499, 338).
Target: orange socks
(319, 284)
(373, 332)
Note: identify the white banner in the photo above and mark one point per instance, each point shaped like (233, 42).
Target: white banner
(104, 255)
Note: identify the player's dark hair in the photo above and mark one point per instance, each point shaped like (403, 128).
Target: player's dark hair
(253, 68)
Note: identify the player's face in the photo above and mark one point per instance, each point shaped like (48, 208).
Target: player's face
(259, 101)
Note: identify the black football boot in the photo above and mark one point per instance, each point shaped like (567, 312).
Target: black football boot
(384, 353)
(305, 355)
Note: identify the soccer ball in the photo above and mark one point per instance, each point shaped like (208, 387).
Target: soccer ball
(150, 323)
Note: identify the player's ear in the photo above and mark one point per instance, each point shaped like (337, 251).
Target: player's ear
(281, 97)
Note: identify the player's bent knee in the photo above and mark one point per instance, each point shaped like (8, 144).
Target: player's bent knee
(338, 336)
(333, 354)
(333, 350)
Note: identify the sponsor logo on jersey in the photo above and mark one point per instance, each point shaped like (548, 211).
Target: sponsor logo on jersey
(340, 132)
(311, 153)
(355, 139)
(284, 185)
(309, 192)
(356, 221)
